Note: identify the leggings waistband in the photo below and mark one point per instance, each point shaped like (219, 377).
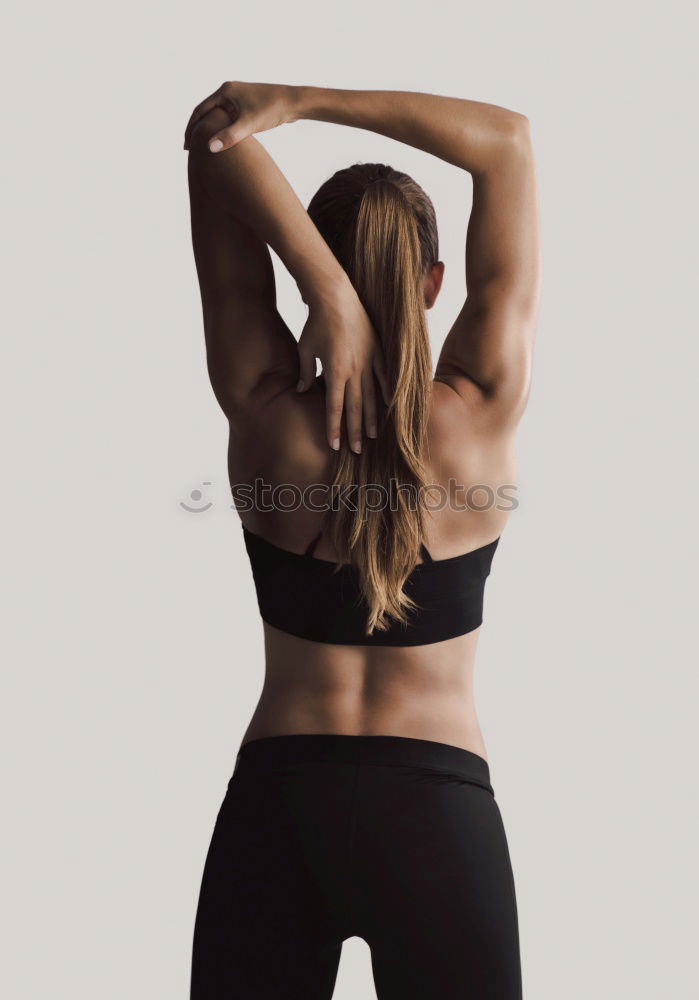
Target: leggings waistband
(276, 751)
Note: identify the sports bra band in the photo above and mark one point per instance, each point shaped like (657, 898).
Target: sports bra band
(321, 601)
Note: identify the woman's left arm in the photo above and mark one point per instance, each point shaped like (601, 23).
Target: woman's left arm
(241, 202)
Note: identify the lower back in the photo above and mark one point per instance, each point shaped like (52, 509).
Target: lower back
(423, 692)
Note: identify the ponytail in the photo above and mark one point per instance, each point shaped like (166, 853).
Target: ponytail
(384, 254)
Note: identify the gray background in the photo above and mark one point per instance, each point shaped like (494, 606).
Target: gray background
(134, 650)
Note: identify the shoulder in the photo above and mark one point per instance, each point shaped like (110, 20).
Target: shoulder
(463, 441)
(282, 436)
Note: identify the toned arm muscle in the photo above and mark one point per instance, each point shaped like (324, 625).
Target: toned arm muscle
(241, 204)
(488, 352)
(248, 345)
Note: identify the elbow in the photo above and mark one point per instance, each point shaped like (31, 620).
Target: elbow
(508, 140)
(515, 130)
(519, 123)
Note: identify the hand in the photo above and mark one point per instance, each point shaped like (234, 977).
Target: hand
(251, 107)
(340, 333)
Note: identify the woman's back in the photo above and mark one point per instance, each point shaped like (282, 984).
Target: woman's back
(278, 462)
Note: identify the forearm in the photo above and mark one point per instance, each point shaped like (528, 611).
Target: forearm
(467, 134)
(246, 183)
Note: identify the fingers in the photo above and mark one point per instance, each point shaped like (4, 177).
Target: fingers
(216, 100)
(231, 136)
(224, 98)
(353, 413)
(350, 394)
(307, 369)
(334, 402)
(369, 403)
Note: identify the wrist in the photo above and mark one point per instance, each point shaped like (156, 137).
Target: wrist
(294, 102)
(307, 102)
(328, 291)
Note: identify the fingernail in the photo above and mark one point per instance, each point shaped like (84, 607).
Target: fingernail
(371, 432)
(357, 447)
(336, 444)
(215, 145)
(299, 385)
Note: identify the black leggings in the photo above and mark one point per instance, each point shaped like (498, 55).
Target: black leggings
(323, 837)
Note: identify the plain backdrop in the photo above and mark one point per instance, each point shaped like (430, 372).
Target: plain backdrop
(133, 647)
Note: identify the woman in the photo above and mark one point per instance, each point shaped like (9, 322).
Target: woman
(360, 803)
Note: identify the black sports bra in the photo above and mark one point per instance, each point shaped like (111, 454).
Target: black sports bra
(311, 598)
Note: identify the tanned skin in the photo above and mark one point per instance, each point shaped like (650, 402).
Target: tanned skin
(241, 204)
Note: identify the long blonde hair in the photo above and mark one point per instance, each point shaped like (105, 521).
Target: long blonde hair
(381, 226)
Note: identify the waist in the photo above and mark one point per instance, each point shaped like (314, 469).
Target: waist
(273, 752)
(420, 692)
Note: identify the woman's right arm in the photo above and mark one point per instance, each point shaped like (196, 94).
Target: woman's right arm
(487, 354)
